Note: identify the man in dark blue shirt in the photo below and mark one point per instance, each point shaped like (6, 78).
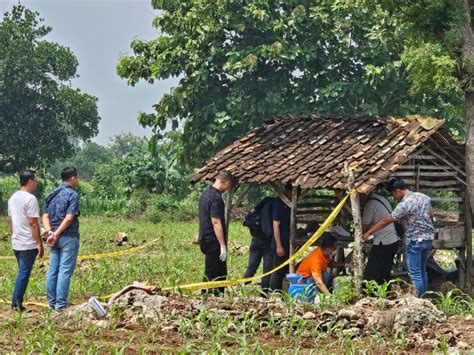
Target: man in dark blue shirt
(281, 239)
(61, 220)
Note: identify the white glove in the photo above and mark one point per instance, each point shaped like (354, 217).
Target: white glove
(223, 256)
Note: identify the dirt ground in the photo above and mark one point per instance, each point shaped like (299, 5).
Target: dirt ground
(422, 326)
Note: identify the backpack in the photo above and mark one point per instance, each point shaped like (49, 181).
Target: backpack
(259, 220)
(399, 228)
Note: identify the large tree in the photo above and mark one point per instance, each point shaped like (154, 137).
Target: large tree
(241, 62)
(42, 118)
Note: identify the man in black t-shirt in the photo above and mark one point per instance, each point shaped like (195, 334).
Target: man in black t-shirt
(281, 239)
(212, 237)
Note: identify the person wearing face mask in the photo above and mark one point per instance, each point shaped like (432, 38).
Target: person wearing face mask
(314, 268)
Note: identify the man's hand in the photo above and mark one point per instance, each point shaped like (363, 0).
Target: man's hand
(366, 236)
(40, 251)
(223, 256)
(280, 251)
(52, 239)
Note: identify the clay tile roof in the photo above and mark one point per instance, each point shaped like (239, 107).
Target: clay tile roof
(311, 150)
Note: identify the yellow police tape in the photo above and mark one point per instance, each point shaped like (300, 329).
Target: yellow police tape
(299, 252)
(99, 255)
(215, 284)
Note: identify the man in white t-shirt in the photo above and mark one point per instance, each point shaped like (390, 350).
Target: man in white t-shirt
(23, 220)
(386, 240)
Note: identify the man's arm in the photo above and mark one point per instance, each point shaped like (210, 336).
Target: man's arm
(35, 231)
(277, 235)
(218, 230)
(378, 226)
(63, 226)
(320, 284)
(336, 264)
(10, 225)
(46, 223)
(365, 227)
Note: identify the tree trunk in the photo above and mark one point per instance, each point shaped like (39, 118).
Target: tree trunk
(468, 60)
(468, 63)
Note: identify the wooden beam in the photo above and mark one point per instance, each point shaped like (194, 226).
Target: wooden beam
(228, 207)
(294, 207)
(358, 260)
(243, 195)
(448, 163)
(280, 194)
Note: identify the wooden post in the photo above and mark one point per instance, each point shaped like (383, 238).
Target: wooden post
(294, 207)
(228, 208)
(358, 259)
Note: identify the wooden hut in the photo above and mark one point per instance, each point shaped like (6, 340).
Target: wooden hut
(312, 151)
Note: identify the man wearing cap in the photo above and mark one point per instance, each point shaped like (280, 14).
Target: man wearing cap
(414, 212)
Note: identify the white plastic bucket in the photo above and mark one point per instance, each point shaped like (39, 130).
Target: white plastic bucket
(97, 307)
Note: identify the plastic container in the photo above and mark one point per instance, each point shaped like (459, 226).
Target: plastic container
(300, 292)
(97, 307)
(293, 278)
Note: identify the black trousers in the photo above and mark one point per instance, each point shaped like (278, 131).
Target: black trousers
(277, 277)
(214, 268)
(379, 265)
(260, 249)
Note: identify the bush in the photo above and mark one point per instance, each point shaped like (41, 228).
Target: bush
(138, 203)
(167, 208)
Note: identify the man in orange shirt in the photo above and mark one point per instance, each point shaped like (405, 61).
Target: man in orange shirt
(313, 268)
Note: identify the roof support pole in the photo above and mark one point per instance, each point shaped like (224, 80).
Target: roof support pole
(294, 207)
(358, 259)
(228, 207)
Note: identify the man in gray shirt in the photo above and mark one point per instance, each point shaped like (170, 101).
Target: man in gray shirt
(386, 240)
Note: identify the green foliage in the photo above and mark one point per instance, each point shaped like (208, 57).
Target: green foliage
(166, 208)
(454, 302)
(241, 62)
(86, 159)
(36, 99)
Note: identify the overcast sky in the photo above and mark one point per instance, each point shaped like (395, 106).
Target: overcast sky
(98, 32)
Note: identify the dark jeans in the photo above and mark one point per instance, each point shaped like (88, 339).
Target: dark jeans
(25, 260)
(214, 268)
(277, 277)
(379, 265)
(260, 249)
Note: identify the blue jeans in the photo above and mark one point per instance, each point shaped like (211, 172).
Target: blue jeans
(62, 263)
(417, 254)
(25, 260)
(326, 280)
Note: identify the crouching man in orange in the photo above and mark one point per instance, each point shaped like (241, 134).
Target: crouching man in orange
(314, 267)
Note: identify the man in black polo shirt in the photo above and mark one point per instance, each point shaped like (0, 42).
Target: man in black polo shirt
(213, 240)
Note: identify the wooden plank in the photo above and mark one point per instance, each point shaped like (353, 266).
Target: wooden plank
(453, 189)
(431, 184)
(423, 157)
(423, 167)
(426, 173)
(446, 199)
(448, 163)
(316, 204)
(294, 207)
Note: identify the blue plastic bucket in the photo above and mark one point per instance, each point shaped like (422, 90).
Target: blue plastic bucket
(293, 278)
(301, 292)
